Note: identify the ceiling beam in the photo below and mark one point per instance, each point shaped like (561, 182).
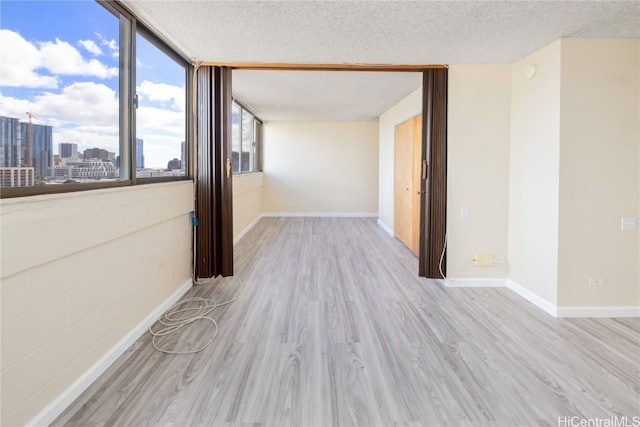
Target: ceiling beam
(279, 66)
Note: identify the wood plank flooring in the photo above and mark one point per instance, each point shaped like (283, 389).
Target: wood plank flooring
(334, 328)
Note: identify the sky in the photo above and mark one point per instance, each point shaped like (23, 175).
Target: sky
(60, 60)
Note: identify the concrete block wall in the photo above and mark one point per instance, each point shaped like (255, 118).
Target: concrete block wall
(78, 272)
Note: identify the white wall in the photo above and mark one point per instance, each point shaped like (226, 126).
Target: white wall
(478, 167)
(79, 272)
(534, 173)
(320, 167)
(599, 172)
(409, 107)
(247, 201)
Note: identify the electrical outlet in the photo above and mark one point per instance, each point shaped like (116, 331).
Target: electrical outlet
(596, 282)
(628, 223)
(483, 260)
(464, 213)
(498, 259)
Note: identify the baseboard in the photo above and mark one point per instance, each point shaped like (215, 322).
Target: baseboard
(246, 229)
(385, 228)
(620, 311)
(60, 403)
(322, 214)
(474, 283)
(533, 298)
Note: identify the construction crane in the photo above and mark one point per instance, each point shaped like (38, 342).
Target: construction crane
(30, 139)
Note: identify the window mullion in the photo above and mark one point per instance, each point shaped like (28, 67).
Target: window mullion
(126, 118)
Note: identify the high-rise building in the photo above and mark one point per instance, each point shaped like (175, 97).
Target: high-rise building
(139, 153)
(98, 153)
(10, 153)
(174, 164)
(42, 150)
(14, 141)
(68, 150)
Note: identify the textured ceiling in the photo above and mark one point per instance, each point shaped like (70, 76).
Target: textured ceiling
(305, 95)
(374, 32)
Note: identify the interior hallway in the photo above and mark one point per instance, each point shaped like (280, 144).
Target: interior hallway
(335, 328)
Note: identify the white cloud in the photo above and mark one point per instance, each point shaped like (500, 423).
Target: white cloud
(61, 58)
(111, 44)
(90, 46)
(159, 149)
(163, 132)
(84, 103)
(14, 107)
(154, 120)
(18, 61)
(161, 92)
(81, 104)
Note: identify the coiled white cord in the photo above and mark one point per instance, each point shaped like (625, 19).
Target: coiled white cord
(175, 318)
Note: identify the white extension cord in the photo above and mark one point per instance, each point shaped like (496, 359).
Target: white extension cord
(444, 247)
(175, 318)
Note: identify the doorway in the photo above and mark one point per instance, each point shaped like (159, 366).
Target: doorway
(407, 167)
(214, 239)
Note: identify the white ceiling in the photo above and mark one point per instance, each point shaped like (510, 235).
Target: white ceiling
(370, 32)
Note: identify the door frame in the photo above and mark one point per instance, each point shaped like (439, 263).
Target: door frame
(433, 188)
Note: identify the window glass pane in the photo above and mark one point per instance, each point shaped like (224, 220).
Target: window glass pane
(247, 142)
(235, 137)
(160, 148)
(60, 63)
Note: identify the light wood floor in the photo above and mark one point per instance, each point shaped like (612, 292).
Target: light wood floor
(335, 328)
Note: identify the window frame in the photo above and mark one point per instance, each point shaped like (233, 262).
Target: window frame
(257, 140)
(127, 110)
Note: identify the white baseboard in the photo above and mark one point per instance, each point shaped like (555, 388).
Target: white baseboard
(322, 214)
(385, 228)
(533, 298)
(474, 283)
(246, 229)
(555, 311)
(620, 311)
(60, 403)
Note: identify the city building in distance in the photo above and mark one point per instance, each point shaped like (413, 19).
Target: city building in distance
(24, 145)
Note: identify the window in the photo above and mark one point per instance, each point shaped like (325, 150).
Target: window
(71, 73)
(160, 148)
(245, 139)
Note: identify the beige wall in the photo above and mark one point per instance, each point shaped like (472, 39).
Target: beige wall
(534, 173)
(599, 172)
(247, 201)
(478, 167)
(320, 167)
(80, 271)
(409, 107)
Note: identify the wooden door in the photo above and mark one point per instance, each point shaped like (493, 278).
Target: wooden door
(417, 171)
(407, 182)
